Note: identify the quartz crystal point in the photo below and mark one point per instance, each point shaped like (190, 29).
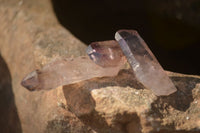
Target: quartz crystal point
(144, 64)
(106, 53)
(67, 71)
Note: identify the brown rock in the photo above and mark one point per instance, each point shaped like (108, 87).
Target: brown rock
(30, 37)
(119, 106)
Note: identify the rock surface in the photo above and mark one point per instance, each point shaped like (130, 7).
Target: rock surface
(31, 37)
(121, 104)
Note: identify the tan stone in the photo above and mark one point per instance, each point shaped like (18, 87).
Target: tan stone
(31, 37)
(120, 104)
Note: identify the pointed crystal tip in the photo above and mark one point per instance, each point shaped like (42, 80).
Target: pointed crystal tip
(147, 69)
(31, 81)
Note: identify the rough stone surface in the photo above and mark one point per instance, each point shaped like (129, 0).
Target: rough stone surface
(121, 104)
(30, 37)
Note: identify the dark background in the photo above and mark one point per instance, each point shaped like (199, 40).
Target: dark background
(170, 28)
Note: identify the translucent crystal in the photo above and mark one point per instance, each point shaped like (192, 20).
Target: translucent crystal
(107, 58)
(105, 53)
(67, 71)
(144, 64)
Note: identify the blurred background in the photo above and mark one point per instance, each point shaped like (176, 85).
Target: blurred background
(170, 28)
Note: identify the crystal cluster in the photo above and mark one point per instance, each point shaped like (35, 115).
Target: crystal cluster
(105, 59)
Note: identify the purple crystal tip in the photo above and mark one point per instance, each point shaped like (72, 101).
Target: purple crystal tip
(30, 82)
(105, 53)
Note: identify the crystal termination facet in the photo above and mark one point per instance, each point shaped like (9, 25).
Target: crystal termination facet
(144, 64)
(106, 53)
(67, 71)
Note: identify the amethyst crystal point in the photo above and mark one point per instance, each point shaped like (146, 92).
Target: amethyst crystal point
(144, 64)
(66, 71)
(106, 53)
(31, 81)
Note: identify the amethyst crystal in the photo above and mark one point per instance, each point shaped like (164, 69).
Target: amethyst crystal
(66, 71)
(107, 58)
(106, 53)
(144, 64)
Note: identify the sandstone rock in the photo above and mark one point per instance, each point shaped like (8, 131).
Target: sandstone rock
(120, 106)
(30, 37)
